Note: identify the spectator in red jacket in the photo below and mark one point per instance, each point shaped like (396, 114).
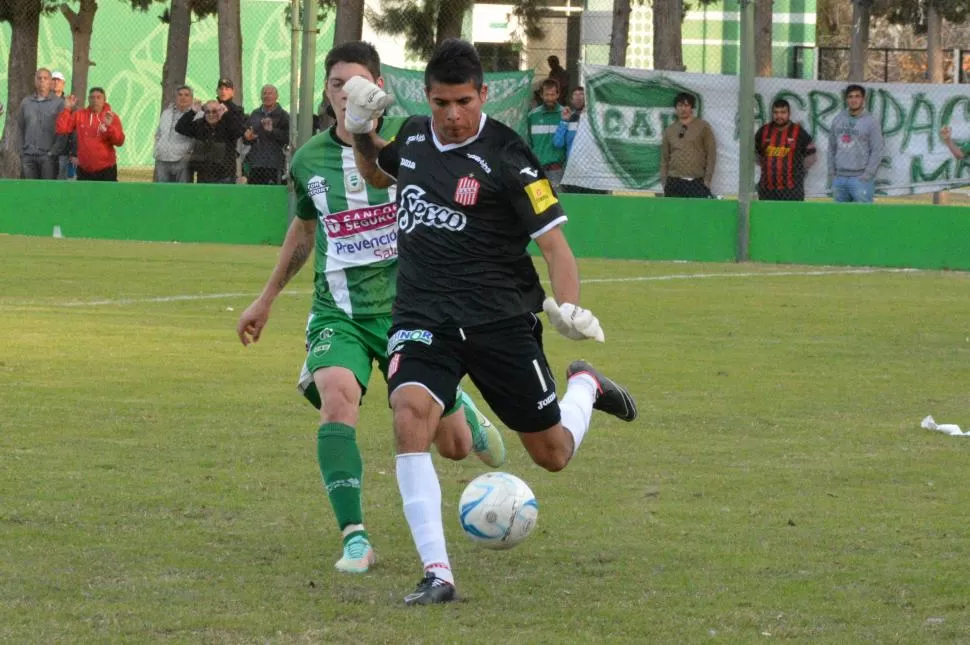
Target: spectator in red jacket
(98, 134)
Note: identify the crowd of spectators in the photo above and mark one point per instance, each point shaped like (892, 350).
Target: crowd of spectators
(212, 141)
(688, 160)
(217, 142)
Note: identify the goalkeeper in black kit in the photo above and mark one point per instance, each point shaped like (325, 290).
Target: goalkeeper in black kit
(471, 196)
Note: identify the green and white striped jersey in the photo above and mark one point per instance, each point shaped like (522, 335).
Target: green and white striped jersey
(542, 131)
(356, 242)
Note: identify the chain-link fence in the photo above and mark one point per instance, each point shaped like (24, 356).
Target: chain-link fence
(132, 53)
(883, 65)
(622, 134)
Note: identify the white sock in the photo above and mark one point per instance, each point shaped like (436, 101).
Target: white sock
(421, 494)
(576, 407)
(352, 528)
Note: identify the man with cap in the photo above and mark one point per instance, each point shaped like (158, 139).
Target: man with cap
(235, 116)
(226, 91)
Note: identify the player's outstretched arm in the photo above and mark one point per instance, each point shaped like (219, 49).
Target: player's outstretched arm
(563, 271)
(564, 312)
(296, 248)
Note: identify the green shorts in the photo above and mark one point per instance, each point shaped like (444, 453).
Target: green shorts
(334, 340)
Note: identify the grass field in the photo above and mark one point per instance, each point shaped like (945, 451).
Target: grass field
(158, 482)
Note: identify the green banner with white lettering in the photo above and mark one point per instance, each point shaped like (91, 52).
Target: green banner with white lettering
(618, 144)
(509, 95)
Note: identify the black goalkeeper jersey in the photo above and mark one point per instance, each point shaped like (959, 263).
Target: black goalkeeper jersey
(466, 213)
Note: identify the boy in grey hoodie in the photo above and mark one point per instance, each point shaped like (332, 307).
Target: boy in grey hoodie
(855, 150)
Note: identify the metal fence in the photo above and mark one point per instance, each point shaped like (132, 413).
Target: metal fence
(883, 64)
(129, 48)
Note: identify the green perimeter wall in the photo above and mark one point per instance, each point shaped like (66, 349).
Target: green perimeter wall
(883, 235)
(635, 228)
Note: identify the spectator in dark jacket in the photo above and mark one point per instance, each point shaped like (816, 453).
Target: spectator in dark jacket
(226, 92)
(559, 74)
(267, 133)
(216, 133)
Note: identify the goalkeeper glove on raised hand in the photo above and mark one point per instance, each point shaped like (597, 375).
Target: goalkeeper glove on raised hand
(365, 103)
(572, 321)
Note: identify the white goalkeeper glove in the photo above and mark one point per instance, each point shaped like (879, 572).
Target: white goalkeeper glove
(573, 322)
(365, 103)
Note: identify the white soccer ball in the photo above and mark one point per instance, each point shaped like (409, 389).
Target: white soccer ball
(497, 510)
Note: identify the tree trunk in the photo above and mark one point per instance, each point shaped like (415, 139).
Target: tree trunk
(451, 14)
(668, 50)
(934, 30)
(177, 50)
(21, 65)
(619, 38)
(82, 26)
(349, 23)
(861, 10)
(230, 46)
(763, 24)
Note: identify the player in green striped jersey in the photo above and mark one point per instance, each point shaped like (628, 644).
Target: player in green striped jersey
(353, 228)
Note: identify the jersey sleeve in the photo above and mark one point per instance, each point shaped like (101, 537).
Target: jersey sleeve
(533, 199)
(305, 208)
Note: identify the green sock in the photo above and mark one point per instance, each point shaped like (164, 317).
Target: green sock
(342, 470)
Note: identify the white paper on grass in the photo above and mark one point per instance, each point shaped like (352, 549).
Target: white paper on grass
(951, 429)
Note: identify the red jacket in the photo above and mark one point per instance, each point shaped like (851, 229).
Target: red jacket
(96, 141)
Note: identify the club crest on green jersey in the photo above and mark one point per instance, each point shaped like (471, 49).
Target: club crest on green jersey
(353, 181)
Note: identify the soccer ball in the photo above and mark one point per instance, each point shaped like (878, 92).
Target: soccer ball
(497, 510)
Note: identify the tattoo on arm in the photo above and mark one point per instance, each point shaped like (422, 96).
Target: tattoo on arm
(299, 257)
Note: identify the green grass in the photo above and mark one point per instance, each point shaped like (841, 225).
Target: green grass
(158, 482)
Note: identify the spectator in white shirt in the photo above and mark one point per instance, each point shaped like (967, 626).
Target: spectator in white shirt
(173, 151)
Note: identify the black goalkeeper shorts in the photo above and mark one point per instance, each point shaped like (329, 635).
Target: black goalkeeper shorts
(503, 359)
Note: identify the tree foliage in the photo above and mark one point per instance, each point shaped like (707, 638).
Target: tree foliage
(423, 23)
(914, 12)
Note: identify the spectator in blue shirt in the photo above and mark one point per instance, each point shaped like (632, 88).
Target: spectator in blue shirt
(566, 132)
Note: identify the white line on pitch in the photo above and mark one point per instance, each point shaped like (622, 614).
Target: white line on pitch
(649, 278)
(752, 274)
(203, 296)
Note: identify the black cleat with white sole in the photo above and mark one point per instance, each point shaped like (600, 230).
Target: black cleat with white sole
(612, 398)
(431, 590)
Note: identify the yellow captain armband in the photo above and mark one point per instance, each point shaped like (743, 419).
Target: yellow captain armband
(541, 196)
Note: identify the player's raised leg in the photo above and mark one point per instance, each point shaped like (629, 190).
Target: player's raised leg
(508, 365)
(587, 390)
